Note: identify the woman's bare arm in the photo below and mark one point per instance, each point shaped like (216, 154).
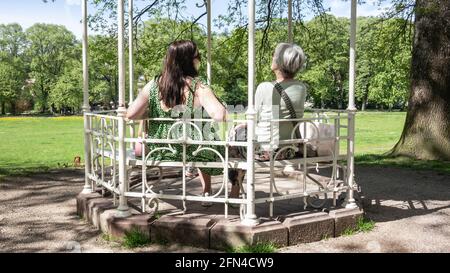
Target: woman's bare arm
(209, 101)
(139, 107)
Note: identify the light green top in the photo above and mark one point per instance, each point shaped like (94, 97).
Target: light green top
(270, 106)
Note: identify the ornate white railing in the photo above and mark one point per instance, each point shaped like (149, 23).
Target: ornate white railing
(104, 142)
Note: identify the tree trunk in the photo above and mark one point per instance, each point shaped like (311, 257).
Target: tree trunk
(44, 99)
(13, 107)
(366, 95)
(3, 108)
(426, 134)
(364, 104)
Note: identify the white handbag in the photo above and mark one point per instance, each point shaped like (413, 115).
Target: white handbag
(314, 131)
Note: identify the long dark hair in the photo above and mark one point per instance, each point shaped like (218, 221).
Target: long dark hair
(178, 65)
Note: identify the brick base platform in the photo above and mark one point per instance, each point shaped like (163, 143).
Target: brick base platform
(216, 232)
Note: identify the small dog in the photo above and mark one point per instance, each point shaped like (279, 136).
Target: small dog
(77, 162)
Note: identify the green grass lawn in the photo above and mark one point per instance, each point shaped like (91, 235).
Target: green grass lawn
(378, 132)
(36, 144)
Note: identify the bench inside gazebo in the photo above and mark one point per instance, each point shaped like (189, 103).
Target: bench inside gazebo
(283, 202)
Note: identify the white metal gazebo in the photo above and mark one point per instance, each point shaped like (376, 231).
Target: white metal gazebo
(108, 155)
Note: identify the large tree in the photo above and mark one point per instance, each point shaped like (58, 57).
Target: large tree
(66, 95)
(426, 134)
(12, 65)
(50, 48)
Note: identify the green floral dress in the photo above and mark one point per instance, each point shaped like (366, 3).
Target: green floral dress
(163, 130)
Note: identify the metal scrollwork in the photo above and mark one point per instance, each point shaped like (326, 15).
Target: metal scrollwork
(153, 206)
(177, 137)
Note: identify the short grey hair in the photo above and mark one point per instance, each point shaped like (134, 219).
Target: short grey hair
(289, 58)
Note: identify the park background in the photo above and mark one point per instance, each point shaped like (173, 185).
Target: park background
(41, 70)
(402, 123)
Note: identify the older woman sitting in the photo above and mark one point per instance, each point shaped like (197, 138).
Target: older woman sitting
(272, 101)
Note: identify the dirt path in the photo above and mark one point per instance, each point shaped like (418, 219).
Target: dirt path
(38, 214)
(411, 209)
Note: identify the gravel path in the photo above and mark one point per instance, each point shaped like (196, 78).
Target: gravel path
(411, 210)
(38, 214)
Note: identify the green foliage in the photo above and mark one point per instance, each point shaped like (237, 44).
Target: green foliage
(112, 239)
(106, 237)
(66, 92)
(258, 248)
(155, 36)
(230, 67)
(103, 78)
(50, 49)
(384, 63)
(12, 65)
(49, 57)
(348, 232)
(326, 45)
(135, 238)
(363, 225)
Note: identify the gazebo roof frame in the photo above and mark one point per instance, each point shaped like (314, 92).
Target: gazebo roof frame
(250, 218)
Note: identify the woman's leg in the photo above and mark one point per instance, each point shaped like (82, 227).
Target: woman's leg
(138, 148)
(235, 191)
(206, 181)
(236, 178)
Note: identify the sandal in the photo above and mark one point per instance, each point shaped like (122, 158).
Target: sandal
(191, 174)
(204, 203)
(234, 206)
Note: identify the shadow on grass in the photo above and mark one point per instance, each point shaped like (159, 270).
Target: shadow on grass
(402, 162)
(23, 171)
(29, 171)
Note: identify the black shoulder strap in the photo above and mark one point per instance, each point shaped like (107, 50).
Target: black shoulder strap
(286, 100)
(156, 83)
(289, 106)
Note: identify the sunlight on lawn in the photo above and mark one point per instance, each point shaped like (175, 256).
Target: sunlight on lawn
(37, 143)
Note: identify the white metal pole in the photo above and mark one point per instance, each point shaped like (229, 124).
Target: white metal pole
(131, 60)
(123, 210)
(131, 49)
(350, 204)
(250, 217)
(86, 109)
(290, 29)
(351, 95)
(209, 67)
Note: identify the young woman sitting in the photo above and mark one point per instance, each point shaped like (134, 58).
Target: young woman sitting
(178, 92)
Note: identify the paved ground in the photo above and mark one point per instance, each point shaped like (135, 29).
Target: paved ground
(411, 208)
